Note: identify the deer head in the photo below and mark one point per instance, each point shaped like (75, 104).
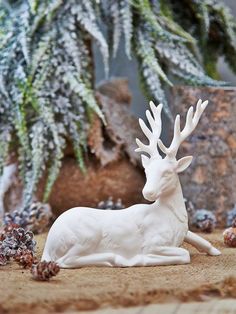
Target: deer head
(162, 173)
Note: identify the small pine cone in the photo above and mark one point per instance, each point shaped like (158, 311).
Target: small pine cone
(10, 227)
(207, 226)
(204, 220)
(230, 216)
(44, 270)
(230, 237)
(2, 236)
(24, 238)
(119, 204)
(25, 258)
(39, 217)
(234, 223)
(3, 260)
(7, 229)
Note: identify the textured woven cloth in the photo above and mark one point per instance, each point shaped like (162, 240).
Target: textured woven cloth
(98, 287)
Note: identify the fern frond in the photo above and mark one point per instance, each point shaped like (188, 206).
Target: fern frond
(147, 54)
(180, 60)
(23, 138)
(39, 54)
(53, 172)
(167, 20)
(117, 27)
(45, 13)
(148, 16)
(197, 81)
(37, 161)
(21, 128)
(33, 5)
(86, 17)
(150, 71)
(23, 24)
(78, 145)
(5, 139)
(205, 20)
(127, 23)
(72, 49)
(152, 87)
(84, 92)
(228, 24)
(57, 146)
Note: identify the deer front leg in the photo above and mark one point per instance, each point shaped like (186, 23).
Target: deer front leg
(201, 244)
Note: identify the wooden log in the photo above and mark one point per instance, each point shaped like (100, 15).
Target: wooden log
(119, 179)
(210, 180)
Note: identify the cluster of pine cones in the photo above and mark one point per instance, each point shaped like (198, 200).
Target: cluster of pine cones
(15, 242)
(110, 204)
(18, 244)
(35, 218)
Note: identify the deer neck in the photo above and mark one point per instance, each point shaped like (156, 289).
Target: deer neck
(175, 202)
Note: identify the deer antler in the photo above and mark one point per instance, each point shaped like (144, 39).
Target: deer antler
(180, 136)
(153, 134)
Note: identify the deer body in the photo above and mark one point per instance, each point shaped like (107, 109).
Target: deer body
(130, 234)
(143, 234)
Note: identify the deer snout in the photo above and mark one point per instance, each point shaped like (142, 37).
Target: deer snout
(149, 195)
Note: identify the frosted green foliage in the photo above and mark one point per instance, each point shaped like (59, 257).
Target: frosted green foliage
(41, 46)
(182, 63)
(151, 71)
(85, 15)
(211, 23)
(152, 21)
(46, 67)
(115, 13)
(127, 22)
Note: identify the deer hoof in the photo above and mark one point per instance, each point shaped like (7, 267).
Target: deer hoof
(213, 251)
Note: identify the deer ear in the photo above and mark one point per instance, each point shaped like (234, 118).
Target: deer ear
(145, 161)
(183, 163)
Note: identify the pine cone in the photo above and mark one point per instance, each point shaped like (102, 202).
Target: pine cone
(15, 240)
(25, 258)
(39, 217)
(204, 220)
(3, 260)
(7, 229)
(230, 216)
(109, 204)
(35, 218)
(206, 225)
(234, 223)
(230, 237)
(44, 270)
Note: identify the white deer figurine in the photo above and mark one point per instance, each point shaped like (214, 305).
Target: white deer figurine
(143, 234)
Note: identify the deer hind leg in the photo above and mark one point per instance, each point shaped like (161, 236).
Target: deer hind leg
(162, 255)
(167, 256)
(201, 244)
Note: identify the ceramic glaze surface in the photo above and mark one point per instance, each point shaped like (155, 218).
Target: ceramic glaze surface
(143, 234)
